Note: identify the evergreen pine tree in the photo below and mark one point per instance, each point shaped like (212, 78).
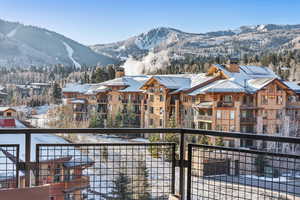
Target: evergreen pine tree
(141, 182)
(120, 191)
(56, 93)
(96, 121)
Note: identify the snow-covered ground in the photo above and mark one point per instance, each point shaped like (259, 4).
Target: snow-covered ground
(12, 33)
(40, 118)
(124, 158)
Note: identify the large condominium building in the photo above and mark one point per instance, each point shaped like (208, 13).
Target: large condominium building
(249, 99)
(108, 99)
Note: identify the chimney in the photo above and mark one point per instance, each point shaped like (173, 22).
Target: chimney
(233, 65)
(120, 71)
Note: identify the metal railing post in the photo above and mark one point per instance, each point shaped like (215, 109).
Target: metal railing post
(27, 158)
(189, 174)
(182, 166)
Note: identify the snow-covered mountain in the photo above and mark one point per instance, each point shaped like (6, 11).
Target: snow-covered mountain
(246, 39)
(22, 45)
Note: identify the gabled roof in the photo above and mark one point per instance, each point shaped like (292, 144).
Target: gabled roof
(131, 84)
(134, 83)
(293, 86)
(3, 109)
(248, 73)
(252, 78)
(258, 83)
(180, 82)
(225, 86)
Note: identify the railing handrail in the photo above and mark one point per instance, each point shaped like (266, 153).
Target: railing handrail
(182, 132)
(295, 140)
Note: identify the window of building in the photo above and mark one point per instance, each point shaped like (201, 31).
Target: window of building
(278, 88)
(209, 112)
(265, 114)
(264, 99)
(161, 110)
(231, 143)
(69, 196)
(227, 98)
(201, 125)
(193, 125)
(185, 99)
(208, 126)
(219, 114)
(231, 114)
(279, 100)
(278, 128)
(278, 114)
(232, 128)
(201, 112)
(151, 98)
(265, 129)
(70, 175)
(193, 99)
(57, 174)
(219, 127)
(151, 122)
(244, 114)
(151, 109)
(161, 98)
(244, 129)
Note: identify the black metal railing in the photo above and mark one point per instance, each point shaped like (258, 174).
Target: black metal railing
(134, 170)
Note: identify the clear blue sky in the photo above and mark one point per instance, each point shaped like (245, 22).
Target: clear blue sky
(103, 21)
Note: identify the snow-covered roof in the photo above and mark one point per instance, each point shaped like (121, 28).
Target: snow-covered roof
(3, 94)
(293, 85)
(134, 83)
(76, 87)
(131, 84)
(181, 82)
(226, 86)
(3, 109)
(258, 83)
(248, 72)
(41, 84)
(252, 78)
(78, 101)
(43, 139)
